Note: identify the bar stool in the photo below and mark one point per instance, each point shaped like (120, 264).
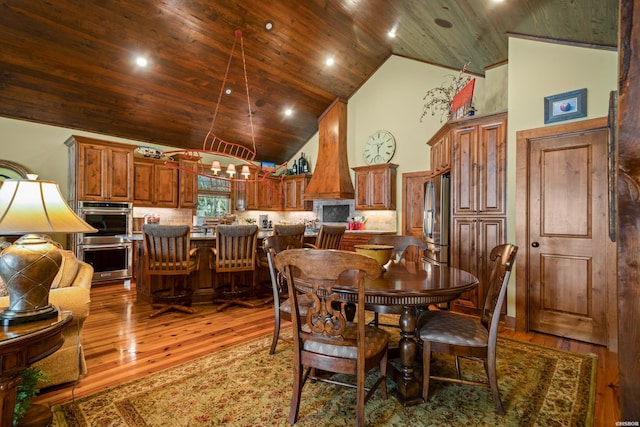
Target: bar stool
(168, 253)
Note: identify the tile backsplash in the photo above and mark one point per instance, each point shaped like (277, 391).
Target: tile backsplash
(375, 220)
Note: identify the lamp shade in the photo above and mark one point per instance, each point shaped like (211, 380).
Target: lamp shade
(231, 169)
(215, 167)
(37, 207)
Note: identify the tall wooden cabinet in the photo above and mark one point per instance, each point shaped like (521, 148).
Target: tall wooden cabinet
(478, 198)
(100, 170)
(375, 187)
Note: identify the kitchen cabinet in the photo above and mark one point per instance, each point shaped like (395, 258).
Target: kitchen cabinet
(256, 193)
(294, 187)
(375, 187)
(440, 152)
(270, 194)
(188, 178)
(154, 184)
(478, 199)
(100, 170)
(479, 169)
(473, 239)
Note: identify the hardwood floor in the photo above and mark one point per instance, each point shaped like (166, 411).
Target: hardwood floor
(122, 343)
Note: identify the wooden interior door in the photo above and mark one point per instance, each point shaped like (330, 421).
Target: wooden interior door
(413, 202)
(568, 231)
(413, 205)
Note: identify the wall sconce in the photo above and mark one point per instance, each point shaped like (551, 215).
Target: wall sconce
(245, 172)
(231, 169)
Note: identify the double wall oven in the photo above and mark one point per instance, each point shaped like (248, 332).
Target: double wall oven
(107, 250)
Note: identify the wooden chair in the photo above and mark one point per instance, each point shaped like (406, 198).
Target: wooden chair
(272, 246)
(168, 252)
(235, 252)
(325, 340)
(296, 230)
(403, 246)
(462, 336)
(329, 237)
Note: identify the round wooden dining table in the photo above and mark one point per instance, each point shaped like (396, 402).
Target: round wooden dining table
(402, 288)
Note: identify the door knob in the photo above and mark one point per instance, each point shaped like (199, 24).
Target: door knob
(535, 244)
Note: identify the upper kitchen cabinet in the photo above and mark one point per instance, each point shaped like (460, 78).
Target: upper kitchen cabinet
(270, 194)
(479, 166)
(441, 151)
(154, 184)
(375, 186)
(100, 170)
(294, 187)
(188, 178)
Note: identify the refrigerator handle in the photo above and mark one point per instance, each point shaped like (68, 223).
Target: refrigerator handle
(429, 210)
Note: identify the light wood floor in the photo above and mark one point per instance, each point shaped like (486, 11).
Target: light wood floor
(121, 343)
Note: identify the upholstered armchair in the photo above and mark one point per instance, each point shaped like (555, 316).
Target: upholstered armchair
(70, 290)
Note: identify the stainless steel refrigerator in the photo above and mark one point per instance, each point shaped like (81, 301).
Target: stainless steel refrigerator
(436, 219)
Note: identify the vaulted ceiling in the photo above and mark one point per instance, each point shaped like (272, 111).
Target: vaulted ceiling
(71, 63)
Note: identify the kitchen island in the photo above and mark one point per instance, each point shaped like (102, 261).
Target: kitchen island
(204, 287)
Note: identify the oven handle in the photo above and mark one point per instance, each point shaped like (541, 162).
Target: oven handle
(106, 246)
(104, 212)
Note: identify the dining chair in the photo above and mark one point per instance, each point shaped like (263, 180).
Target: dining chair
(325, 340)
(272, 246)
(234, 253)
(329, 237)
(296, 230)
(167, 253)
(462, 336)
(403, 247)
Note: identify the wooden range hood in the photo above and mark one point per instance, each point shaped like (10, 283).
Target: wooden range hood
(331, 177)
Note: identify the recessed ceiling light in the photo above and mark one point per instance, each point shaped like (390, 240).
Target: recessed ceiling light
(268, 26)
(288, 112)
(443, 23)
(141, 61)
(392, 34)
(330, 61)
(228, 91)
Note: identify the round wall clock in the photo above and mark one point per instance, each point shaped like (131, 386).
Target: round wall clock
(379, 148)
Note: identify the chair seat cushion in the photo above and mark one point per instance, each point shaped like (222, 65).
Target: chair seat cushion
(376, 340)
(451, 328)
(304, 302)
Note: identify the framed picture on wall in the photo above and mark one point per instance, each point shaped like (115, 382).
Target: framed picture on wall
(565, 106)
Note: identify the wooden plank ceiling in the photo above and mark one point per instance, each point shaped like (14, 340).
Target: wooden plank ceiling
(71, 62)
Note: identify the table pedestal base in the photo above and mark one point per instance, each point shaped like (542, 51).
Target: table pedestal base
(408, 387)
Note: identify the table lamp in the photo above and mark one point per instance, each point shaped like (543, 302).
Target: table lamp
(33, 208)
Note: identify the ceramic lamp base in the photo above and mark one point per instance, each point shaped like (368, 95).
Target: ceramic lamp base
(28, 268)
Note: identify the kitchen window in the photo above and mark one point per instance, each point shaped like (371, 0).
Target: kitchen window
(214, 197)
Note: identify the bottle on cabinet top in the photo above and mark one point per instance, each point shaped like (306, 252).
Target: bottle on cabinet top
(294, 169)
(303, 165)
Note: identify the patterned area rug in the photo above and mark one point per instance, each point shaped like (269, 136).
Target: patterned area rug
(245, 386)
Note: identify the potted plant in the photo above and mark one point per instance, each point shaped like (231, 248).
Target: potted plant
(438, 100)
(27, 390)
